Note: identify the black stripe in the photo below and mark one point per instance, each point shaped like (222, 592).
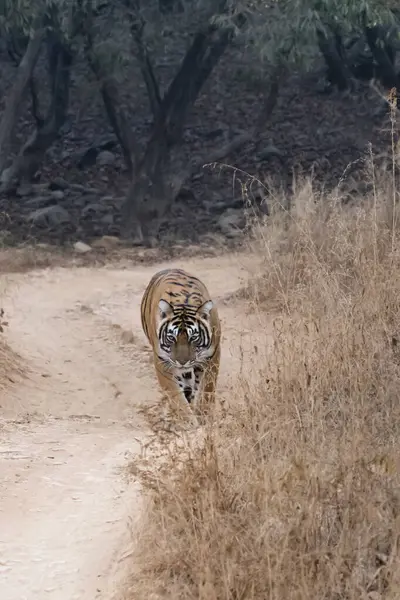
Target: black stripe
(205, 338)
(184, 313)
(162, 336)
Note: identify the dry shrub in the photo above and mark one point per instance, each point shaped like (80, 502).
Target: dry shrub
(10, 365)
(10, 362)
(295, 492)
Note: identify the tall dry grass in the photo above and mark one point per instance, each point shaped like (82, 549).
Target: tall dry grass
(10, 362)
(295, 493)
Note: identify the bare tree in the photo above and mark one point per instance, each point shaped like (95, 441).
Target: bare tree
(159, 172)
(58, 45)
(15, 96)
(285, 32)
(108, 89)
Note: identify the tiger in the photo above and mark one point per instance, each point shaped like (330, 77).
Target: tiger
(182, 325)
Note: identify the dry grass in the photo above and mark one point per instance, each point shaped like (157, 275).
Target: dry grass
(295, 493)
(10, 365)
(10, 362)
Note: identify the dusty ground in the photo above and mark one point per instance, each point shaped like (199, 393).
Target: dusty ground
(67, 510)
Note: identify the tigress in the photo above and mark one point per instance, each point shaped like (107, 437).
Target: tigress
(182, 325)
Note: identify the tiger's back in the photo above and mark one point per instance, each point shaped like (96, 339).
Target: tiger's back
(182, 325)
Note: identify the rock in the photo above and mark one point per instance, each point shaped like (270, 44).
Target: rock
(107, 242)
(94, 208)
(109, 200)
(269, 150)
(112, 201)
(217, 203)
(105, 158)
(25, 189)
(58, 183)
(40, 188)
(49, 216)
(214, 133)
(38, 202)
(79, 202)
(231, 222)
(215, 207)
(89, 156)
(6, 176)
(82, 248)
(107, 220)
(58, 195)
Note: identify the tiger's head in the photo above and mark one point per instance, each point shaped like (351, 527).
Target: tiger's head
(185, 334)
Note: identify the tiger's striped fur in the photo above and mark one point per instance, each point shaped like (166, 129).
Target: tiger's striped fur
(182, 325)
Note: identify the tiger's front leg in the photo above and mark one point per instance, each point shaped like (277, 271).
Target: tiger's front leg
(176, 390)
(208, 383)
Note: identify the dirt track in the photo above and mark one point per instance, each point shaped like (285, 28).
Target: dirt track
(66, 507)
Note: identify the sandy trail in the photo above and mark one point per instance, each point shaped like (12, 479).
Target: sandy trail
(67, 431)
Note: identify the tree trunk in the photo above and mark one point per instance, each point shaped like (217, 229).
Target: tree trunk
(14, 99)
(137, 26)
(336, 66)
(109, 93)
(384, 56)
(168, 6)
(118, 120)
(150, 195)
(165, 169)
(201, 58)
(153, 189)
(31, 155)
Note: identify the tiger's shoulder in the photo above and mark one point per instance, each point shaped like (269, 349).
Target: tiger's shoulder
(178, 287)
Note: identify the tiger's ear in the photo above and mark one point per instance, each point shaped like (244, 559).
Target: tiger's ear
(165, 309)
(205, 309)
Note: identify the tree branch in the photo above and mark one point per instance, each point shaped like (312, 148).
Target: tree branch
(15, 51)
(330, 48)
(109, 92)
(137, 25)
(382, 54)
(261, 120)
(13, 102)
(39, 120)
(32, 153)
(199, 61)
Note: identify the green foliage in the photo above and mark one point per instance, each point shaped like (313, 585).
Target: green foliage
(25, 16)
(284, 31)
(351, 15)
(20, 14)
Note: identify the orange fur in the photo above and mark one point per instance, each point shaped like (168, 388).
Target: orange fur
(179, 304)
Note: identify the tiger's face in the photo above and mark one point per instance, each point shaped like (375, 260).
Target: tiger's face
(184, 334)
